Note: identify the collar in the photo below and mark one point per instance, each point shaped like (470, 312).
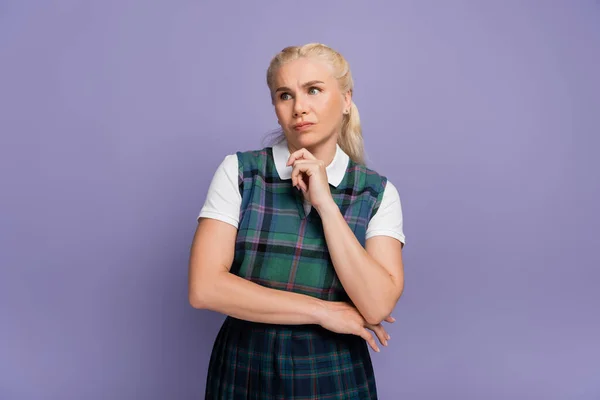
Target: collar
(335, 170)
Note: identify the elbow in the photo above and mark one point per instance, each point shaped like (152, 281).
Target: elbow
(375, 315)
(196, 301)
(198, 298)
(376, 318)
(204, 292)
(380, 313)
(374, 321)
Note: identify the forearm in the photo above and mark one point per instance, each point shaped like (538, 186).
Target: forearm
(372, 289)
(231, 295)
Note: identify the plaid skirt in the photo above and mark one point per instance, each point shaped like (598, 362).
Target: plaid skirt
(253, 361)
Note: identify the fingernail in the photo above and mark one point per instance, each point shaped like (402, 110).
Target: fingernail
(389, 337)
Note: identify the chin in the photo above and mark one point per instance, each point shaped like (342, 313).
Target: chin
(307, 139)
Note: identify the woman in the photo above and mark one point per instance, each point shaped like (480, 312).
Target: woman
(300, 245)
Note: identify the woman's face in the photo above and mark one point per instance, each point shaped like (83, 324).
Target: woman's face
(308, 103)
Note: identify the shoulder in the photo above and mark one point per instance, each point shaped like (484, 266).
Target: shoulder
(227, 169)
(387, 219)
(367, 178)
(253, 157)
(237, 162)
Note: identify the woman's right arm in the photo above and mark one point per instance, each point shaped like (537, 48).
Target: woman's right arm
(213, 287)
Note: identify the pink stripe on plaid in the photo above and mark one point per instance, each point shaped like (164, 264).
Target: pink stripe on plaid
(296, 260)
(282, 286)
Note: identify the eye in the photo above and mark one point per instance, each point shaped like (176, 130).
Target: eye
(282, 96)
(314, 90)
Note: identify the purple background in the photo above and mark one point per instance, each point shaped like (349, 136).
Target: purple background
(115, 114)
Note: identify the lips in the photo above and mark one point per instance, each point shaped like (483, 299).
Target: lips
(303, 125)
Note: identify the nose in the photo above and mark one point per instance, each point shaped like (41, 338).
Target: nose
(298, 114)
(300, 108)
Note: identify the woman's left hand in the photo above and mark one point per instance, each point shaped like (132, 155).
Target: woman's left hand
(310, 176)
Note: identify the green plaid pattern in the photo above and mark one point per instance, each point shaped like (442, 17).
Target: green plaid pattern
(280, 247)
(268, 362)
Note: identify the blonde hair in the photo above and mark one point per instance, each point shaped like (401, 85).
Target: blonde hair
(350, 139)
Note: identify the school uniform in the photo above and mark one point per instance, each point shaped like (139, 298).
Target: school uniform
(281, 245)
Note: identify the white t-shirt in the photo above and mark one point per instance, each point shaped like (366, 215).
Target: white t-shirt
(223, 200)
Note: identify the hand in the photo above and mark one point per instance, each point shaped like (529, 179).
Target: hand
(310, 176)
(341, 317)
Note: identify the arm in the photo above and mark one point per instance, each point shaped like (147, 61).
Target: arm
(372, 276)
(213, 287)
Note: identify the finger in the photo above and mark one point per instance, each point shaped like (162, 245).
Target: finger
(390, 319)
(296, 179)
(310, 167)
(365, 334)
(300, 154)
(302, 184)
(299, 169)
(382, 335)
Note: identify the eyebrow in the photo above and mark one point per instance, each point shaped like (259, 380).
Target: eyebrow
(311, 83)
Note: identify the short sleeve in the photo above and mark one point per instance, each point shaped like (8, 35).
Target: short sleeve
(223, 200)
(388, 220)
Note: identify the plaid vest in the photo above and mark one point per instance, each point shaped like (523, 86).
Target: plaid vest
(280, 247)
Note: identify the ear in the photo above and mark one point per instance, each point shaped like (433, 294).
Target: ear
(347, 99)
